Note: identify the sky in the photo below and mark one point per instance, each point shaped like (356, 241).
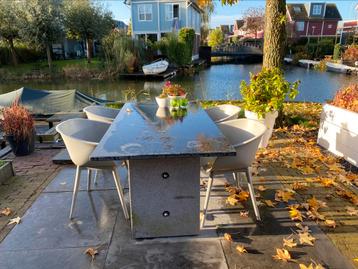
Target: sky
(227, 14)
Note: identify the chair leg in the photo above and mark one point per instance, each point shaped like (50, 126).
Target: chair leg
(237, 178)
(75, 189)
(95, 177)
(207, 198)
(120, 192)
(252, 194)
(89, 179)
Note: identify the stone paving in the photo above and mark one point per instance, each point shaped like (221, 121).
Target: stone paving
(45, 238)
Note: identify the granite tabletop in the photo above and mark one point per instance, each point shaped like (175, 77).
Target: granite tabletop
(143, 131)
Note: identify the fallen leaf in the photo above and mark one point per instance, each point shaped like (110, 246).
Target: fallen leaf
(330, 223)
(299, 186)
(261, 188)
(307, 170)
(91, 252)
(16, 220)
(6, 211)
(315, 203)
(327, 182)
(302, 229)
(244, 214)
(228, 237)
(243, 196)
(306, 238)
(269, 203)
(282, 254)
(241, 249)
(314, 215)
(295, 214)
(232, 190)
(284, 196)
(352, 211)
(289, 242)
(311, 266)
(355, 259)
(232, 200)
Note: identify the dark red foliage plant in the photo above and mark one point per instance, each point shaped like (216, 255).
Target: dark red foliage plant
(17, 121)
(347, 98)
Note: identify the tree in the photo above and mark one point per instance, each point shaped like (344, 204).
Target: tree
(215, 38)
(86, 21)
(254, 20)
(41, 24)
(9, 25)
(275, 33)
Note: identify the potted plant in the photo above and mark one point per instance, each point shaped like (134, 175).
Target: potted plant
(264, 97)
(162, 100)
(18, 127)
(338, 131)
(174, 91)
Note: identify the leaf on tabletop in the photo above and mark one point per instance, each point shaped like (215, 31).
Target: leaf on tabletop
(289, 242)
(243, 196)
(244, 214)
(91, 252)
(299, 186)
(327, 182)
(295, 214)
(6, 211)
(352, 211)
(228, 237)
(306, 238)
(261, 188)
(330, 223)
(16, 220)
(269, 203)
(241, 249)
(231, 200)
(282, 254)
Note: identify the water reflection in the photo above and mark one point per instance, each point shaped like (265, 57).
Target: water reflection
(217, 82)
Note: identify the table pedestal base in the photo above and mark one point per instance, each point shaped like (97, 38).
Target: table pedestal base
(164, 197)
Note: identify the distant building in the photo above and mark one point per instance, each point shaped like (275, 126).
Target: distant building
(347, 29)
(153, 19)
(314, 19)
(239, 30)
(120, 25)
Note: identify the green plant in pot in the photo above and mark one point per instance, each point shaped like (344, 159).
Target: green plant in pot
(19, 130)
(265, 95)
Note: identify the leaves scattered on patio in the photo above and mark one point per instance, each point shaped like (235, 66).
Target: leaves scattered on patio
(6, 211)
(16, 220)
(92, 252)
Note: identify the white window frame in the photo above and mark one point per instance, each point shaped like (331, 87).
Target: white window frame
(329, 26)
(147, 11)
(316, 8)
(170, 16)
(300, 26)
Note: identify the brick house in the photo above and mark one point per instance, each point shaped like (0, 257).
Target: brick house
(312, 19)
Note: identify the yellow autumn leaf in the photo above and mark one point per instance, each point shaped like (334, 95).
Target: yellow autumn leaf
(289, 242)
(6, 211)
(261, 188)
(269, 203)
(352, 211)
(16, 220)
(284, 196)
(228, 237)
(307, 170)
(231, 200)
(243, 196)
(355, 259)
(314, 215)
(302, 266)
(295, 214)
(327, 182)
(306, 238)
(330, 223)
(282, 254)
(241, 249)
(299, 186)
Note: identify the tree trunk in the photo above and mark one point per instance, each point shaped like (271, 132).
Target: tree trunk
(275, 33)
(13, 52)
(49, 57)
(89, 44)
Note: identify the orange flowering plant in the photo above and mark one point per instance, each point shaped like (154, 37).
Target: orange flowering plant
(347, 98)
(173, 89)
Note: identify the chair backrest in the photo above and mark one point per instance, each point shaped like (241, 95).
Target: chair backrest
(101, 113)
(222, 113)
(81, 136)
(245, 136)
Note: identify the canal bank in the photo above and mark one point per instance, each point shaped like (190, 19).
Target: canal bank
(218, 82)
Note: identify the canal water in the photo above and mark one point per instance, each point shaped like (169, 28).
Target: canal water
(218, 82)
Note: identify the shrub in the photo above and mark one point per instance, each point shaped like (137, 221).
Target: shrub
(267, 91)
(177, 51)
(347, 98)
(17, 121)
(337, 52)
(299, 56)
(325, 46)
(351, 53)
(24, 52)
(321, 66)
(215, 38)
(187, 35)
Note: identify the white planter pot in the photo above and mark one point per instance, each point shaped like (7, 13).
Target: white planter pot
(162, 102)
(338, 132)
(268, 121)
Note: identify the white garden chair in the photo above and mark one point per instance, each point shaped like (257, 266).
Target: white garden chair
(245, 136)
(101, 113)
(81, 136)
(222, 113)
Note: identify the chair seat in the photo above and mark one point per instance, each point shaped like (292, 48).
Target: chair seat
(222, 113)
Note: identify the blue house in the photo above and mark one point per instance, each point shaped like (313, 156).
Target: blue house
(153, 19)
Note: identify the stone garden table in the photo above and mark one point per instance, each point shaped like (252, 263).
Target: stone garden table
(163, 150)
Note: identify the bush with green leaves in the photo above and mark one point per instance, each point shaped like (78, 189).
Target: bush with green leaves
(337, 52)
(267, 91)
(122, 53)
(216, 38)
(187, 35)
(176, 50)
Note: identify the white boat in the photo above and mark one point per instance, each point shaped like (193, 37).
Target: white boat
(340, 68)
(155, 67)
(307, 63)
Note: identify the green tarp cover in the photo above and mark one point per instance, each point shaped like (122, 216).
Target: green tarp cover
(42, 102)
